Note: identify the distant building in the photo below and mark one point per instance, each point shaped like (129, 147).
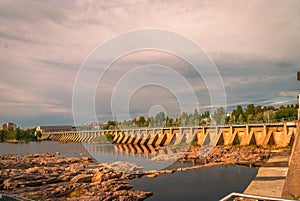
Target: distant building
(9, 126)
(46, 129)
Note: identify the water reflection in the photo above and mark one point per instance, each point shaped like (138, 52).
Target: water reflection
(66, 149)
(209, 183)
(149, 157)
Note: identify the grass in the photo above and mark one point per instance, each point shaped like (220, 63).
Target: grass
(196, 144)
(76, 193)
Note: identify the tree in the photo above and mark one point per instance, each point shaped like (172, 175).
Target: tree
(110, 125)
(269, 116)
(194, 119)
(220, 115)
(141, 121)
(232, 119)
(286, 113)
(250, 118)
(241, 119)
(250, 110)
(259, 117)
(205, 114)
(177, 122)
(18, 134)
(169, 122)
(183, 119)
(3, 135)
(240, 113)
(160, 119)
(150, 121)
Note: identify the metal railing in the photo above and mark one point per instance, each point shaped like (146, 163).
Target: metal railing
(6, 197)
(257, 197)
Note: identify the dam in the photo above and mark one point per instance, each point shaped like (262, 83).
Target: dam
(279, 134)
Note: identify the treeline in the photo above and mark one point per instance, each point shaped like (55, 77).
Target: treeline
(240, 115)
(256, 114)
(17, 134)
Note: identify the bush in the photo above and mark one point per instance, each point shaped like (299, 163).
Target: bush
(109, 137)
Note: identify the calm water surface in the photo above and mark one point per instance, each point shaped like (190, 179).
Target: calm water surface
(211, 183)
(207, 184)
(68, 149)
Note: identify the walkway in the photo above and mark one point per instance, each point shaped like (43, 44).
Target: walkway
(292, 183)
(270, 179)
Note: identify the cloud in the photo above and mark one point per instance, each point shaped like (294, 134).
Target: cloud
(255, 45)
(30, 11)
(293, 94)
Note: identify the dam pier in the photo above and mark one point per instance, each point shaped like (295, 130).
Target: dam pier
(272, 134)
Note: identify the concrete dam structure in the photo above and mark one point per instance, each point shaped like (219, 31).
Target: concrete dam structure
(274, 134)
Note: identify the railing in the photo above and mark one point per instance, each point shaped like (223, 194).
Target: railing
(182, 127)
(6, 197)
(257, 197)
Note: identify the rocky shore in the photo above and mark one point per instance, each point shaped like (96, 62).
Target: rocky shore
(52, 177)
(249, 156)
(224, 155)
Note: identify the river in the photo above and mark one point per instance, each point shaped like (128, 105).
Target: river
(209, 183)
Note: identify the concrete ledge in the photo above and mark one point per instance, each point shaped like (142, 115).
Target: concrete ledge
(268, 182)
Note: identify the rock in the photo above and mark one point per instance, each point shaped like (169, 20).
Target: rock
(8, 184)
(86, 158)
(33, 170)
(140, 195)
(82, 178)
(123, 166)
(152, 175)
(122, 186)
(33, 183)
(48, 177)
(128, 198)
(98, 177)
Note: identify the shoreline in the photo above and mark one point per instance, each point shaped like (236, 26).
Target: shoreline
(14, 141)
(47, 176)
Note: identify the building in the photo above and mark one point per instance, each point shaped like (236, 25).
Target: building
(47, 129)
(9, 126)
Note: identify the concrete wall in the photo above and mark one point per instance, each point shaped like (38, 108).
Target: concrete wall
(275, 134)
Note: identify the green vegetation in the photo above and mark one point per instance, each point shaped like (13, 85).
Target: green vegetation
(17, 135)
(109, 137)
(195, 144)
(110, 125)
(258, 114)
(76, 193)
(240, 115)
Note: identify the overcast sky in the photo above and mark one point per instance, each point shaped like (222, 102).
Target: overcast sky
(254, 44)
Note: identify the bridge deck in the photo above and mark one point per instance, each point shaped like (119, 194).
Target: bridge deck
(275, 134)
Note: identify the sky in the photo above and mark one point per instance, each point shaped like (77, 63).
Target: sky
(44, 44)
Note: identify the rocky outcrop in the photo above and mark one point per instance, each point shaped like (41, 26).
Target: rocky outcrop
(250, 156)
(48, 177)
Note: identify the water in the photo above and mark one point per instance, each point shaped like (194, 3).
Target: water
(210, 183)
(68, 149)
